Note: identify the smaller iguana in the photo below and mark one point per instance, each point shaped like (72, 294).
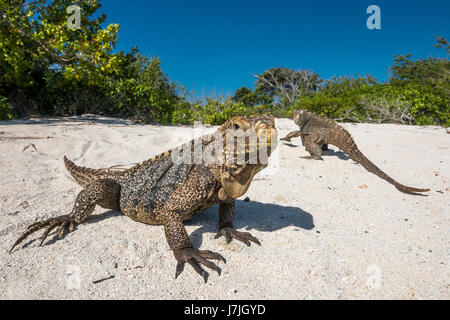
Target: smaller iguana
(317, 132)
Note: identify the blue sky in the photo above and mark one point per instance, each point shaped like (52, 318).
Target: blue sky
(213, 47)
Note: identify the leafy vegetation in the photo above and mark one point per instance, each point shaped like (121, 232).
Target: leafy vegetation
(48, 69)
(6, 112)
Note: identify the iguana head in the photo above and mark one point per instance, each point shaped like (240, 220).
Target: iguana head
(250, 137)
(247, 144)
(300, 116)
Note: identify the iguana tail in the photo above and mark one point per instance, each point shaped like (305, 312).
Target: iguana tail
(344, 141)
(84, 176)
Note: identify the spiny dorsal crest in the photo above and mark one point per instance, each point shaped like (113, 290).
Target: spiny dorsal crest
(305, 115)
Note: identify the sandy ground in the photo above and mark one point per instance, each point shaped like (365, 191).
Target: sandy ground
(329, 229)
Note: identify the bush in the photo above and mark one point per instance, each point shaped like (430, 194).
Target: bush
(6, 111)
(219, 110)
(380, 103)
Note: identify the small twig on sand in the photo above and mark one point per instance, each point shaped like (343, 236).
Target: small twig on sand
(31, 144)
(100, 280)
(24, 138)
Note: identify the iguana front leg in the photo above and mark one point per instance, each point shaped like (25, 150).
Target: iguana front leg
(104, 192)
(313, 148)
(227, 211)
(183, 250)
(302, 136)
(291, 135)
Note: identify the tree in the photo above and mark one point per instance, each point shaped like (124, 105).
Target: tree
(241, 93)
(47, 68)
(344, 84)
(431, 77)
(146, 92)
(442, 42)
(434, 72)
(287, 85)
(251, 98)
(35, 42)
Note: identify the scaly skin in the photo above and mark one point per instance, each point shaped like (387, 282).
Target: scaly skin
(317, 132)
(161, 191)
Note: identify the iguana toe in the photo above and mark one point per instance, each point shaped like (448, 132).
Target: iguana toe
(195, 258)
(230, 233)
(62, 222)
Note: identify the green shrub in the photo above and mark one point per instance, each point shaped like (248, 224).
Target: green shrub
(6, 111)
(359, 104)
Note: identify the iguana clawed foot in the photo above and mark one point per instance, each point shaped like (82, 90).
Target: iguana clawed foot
(230, 233)
(61, 222)
(196, 257)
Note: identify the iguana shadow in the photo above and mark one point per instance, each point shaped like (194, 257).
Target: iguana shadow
(92, 219)
(289, 144)
(102, 216)
(251, 215)
(328, 153)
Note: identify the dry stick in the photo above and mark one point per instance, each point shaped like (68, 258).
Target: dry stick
(16, 138)
(103, 279)
(31, 144)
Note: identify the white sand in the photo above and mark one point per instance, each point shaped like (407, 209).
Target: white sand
(322, 234)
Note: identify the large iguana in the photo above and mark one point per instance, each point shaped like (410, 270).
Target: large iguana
(174, 186)
(317, 132)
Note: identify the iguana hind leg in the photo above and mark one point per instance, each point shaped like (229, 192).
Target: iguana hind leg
(227, 211)
(104, 192)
